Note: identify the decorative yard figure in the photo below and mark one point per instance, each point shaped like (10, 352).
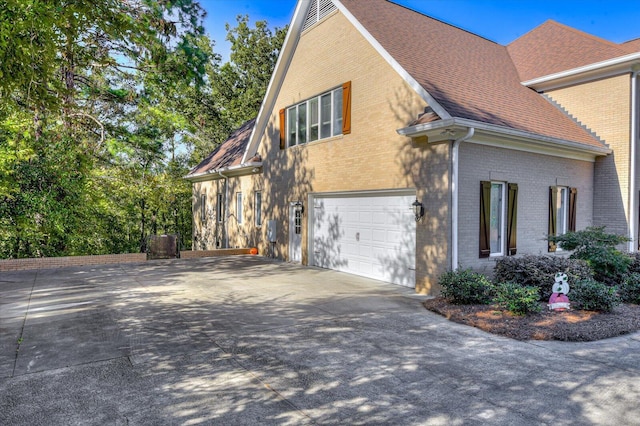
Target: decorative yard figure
(559, 300)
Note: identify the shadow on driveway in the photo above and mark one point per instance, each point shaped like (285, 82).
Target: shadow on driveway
(248, 340)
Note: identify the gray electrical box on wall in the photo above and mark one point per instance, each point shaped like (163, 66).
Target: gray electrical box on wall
(271, 231)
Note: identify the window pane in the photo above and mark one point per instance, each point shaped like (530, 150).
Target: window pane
(313, 119)
(561, 209)
(325, 116)
(337, 111)
(203, 207)
(219, 208)
(258, 208)
(239, 207)
(495, 234)
(302, 123)
(291, 124)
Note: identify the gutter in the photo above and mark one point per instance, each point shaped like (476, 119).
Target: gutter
(425, 128)
(618, 65)
(455, 163)
(233, 170)
(632, 165)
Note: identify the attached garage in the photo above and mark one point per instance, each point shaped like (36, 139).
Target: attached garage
(369, 234)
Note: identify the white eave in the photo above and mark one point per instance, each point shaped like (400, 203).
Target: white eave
(503, 137)
(609, 68)
(214, 174)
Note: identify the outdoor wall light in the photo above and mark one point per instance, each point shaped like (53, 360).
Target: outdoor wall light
(418, 209)
(298, 207)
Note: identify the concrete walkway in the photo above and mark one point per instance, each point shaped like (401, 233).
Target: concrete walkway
(247, 340)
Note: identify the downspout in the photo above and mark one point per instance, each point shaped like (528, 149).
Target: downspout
(226, 209)
(454, 196)
(633, 217)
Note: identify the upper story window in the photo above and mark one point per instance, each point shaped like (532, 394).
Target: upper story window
(320, 117)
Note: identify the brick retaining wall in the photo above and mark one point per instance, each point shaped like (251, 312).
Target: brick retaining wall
(103, 259)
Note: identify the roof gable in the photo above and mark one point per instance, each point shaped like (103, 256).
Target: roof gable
(553, 47)
(458, 74)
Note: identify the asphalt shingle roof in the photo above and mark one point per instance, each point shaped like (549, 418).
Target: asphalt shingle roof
(469, 76)
(229, 153)
(553, 47)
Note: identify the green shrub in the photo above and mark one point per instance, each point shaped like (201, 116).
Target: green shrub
(540, 271)
(597, 248)
(629, 290)
(465, 287)
(517, 299)
(635, 264)
(592, 295)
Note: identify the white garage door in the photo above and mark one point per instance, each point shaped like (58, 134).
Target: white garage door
(370, 235)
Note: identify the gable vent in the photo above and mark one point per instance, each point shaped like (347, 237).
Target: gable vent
(317, 11)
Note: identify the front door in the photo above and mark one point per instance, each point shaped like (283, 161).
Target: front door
(295, 235)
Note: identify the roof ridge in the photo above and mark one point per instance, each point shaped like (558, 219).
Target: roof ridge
(584, 34)
(442, 22)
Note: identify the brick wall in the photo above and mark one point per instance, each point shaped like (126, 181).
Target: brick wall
(65, 261)
(604, 106)
(106, 259)
(534, 174)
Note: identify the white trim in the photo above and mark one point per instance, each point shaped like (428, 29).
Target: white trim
(430, 100)
(504, 137)
(234, 171)
(610, 67)
(503, 219)
(275, 83)
(633, 213)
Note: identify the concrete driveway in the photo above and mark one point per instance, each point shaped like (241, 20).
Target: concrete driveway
(247, 340)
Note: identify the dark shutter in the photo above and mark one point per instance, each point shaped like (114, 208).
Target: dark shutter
(346, 108)
(512, 219)
(283, 130)
(485, 218)
(573, 194)
(553, 225)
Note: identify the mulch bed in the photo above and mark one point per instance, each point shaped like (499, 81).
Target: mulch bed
(572, 325)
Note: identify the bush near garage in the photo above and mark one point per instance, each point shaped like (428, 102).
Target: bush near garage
(539, 271)
(465, 287)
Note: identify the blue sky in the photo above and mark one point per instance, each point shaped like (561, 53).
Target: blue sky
(500, 21)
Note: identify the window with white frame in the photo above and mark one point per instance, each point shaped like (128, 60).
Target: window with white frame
(498, 218)
(317, 118)
(562, 212)
(258, 207)
(239, 207)
(220, 207)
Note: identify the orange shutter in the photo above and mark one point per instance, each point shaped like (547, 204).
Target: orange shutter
(346, 108)
(282, 129)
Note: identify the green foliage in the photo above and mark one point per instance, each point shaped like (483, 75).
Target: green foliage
(597, 248)
(592, 295)
(539, 271)
(465, 287)
(517, 299)
(116, 102)
(629, 289)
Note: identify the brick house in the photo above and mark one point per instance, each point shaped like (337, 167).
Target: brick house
(366, 118)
